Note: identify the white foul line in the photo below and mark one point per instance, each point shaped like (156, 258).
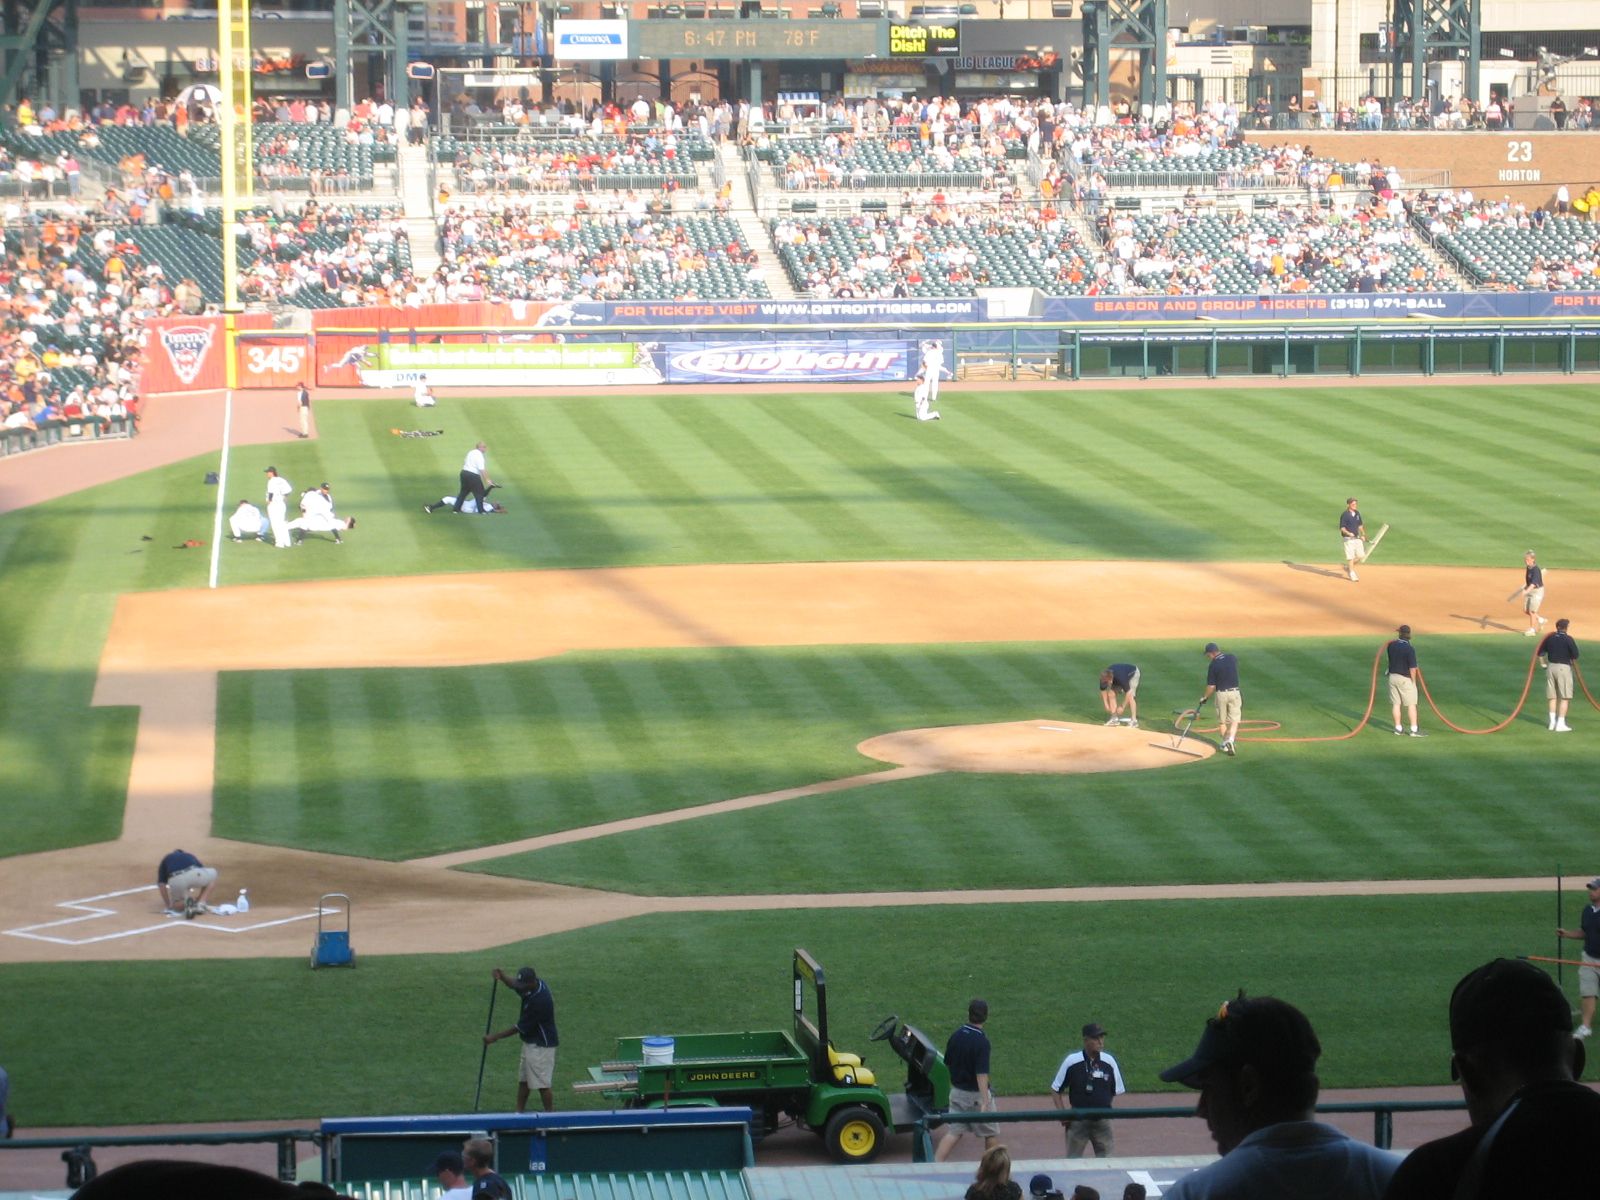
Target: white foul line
(222, 480)
(89, 912)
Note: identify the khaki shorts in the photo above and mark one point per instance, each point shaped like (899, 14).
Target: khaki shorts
(538, 1066)
(1229, 706)
(1589, 977)
(193, 879)
(1402, 689)
(1133, 685)
(963, 1101)
(1533, 599)
(1558, 682)
(1354, 548)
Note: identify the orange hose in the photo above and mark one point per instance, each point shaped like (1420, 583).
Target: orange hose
(1372, 699)
(1527, 685)
(1584, 685)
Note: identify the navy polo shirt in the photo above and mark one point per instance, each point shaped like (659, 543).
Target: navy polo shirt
(967, 1056)
(1223, 673)
(537, 1023)
(1121, 676)
(1559, 648)
(1351, 522)
(1402, 657)
(178, 860)
(1533, 576)
(1590, 924)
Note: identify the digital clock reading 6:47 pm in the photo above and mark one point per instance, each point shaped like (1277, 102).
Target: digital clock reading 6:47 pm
(755, 39)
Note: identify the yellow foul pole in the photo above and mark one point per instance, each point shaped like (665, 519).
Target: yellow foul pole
(233, 126)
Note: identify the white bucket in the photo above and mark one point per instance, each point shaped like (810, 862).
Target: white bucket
(657, 1051)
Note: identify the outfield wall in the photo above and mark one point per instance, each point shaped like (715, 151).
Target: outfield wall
(487, 345)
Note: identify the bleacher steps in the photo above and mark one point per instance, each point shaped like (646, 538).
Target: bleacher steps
(751, 227)
(417, 196)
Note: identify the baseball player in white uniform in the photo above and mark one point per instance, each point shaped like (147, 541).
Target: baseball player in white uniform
(278, 491)
(248, 521)
(927, 389)
(317, 515)
(421, 394)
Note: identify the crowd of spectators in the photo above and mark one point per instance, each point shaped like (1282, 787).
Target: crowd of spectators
(71, 332)
(935, 246)
(614, 247)
(1348, 245)
(1506, 245)
(353, 256)
(568, 164)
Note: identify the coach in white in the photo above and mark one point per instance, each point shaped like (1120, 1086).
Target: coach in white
(278, 491)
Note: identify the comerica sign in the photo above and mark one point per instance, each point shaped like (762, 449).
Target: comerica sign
(924, 41)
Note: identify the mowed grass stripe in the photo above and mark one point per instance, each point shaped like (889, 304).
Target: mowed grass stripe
(814, 519)
(719, 531)
(1103, 517)
(923, 501)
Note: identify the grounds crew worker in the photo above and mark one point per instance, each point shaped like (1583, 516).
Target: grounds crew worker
(1088, 1078)
(1120, 679)
(1557, 653)
(536, 1026)
(1403, 679)
(1354, 534)
(1222, 681)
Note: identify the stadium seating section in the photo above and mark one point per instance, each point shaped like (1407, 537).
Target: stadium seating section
(1499, 251)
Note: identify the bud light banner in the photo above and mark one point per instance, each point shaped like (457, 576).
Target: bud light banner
(854, 360)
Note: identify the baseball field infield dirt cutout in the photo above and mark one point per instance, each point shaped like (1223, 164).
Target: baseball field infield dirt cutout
(1038, 747)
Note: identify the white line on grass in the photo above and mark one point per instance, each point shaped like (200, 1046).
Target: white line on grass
(222, 487)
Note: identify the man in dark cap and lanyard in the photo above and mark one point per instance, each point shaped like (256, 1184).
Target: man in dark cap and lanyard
(1088, 1078)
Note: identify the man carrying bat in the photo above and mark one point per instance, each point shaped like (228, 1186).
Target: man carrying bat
(1354, 533)
(1531, 592)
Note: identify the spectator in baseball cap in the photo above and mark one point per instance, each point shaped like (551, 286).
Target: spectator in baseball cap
(1534, 1128)
(1256, 1068)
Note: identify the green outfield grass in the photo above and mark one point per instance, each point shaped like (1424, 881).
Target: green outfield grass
(401, 1034)
(398, 764)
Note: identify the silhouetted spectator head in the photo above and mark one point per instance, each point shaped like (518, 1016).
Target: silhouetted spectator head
(192, 1181)
(1255, 1066)
(1510, 1025)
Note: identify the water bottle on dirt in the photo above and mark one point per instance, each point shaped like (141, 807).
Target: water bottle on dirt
(243, 903)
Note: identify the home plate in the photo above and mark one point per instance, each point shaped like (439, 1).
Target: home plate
(1033, 747)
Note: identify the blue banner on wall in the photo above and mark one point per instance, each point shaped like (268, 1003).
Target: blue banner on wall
(787, 312)
(852, 360)
(1311, 307)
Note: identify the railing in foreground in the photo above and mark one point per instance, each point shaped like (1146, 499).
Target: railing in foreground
(1382, 1111)
(80, 1163)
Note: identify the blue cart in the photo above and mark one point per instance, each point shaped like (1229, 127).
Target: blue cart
(332, 947)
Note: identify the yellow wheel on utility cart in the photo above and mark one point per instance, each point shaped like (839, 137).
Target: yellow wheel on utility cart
(854, 1135)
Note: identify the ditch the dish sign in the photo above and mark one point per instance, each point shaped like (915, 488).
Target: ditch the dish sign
(546, 364)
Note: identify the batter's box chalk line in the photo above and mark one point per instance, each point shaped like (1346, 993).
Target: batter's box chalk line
(88, 906)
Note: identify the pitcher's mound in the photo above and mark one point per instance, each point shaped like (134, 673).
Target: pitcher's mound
(1039, 747)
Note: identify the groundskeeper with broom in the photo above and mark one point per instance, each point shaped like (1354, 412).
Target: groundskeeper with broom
(536, 1026)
